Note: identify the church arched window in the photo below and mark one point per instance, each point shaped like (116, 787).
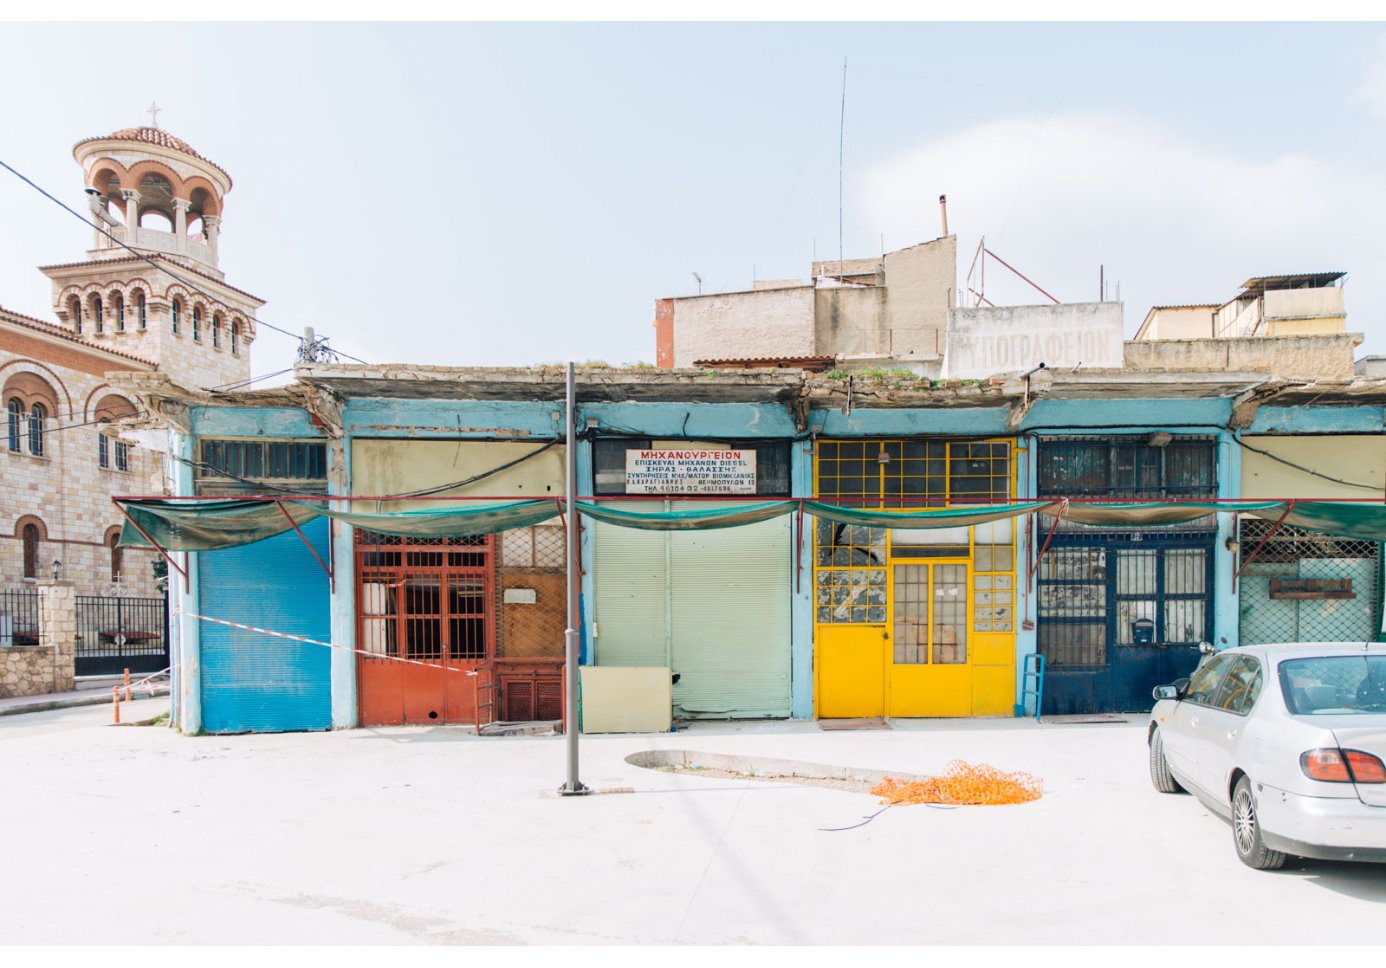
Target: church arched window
(119, 302)
(74, 309)
(98, 315)
(30, 536)
(197, 323)
(177, 314)
(216, 332)
(113, 542)
(141, 309)
(14, 413)
(235, 339)
(38, 416)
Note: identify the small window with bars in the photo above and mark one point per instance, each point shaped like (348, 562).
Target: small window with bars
(230, 465)
(1156, 466)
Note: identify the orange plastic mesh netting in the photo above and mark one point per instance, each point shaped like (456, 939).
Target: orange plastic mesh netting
(963, 783)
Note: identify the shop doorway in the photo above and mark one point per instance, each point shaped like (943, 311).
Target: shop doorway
(430, 600)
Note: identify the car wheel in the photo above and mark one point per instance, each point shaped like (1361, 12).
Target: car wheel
(1246, 831)
(1160, 775)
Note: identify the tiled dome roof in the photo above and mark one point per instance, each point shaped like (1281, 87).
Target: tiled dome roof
(153, 136)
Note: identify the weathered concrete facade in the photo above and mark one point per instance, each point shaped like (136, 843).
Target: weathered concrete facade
(859, 310)
(450, 425)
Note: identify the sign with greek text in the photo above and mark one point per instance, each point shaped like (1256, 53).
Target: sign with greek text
(992, 341)
(690, 472)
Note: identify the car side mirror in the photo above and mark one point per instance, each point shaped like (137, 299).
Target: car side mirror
(1165, 692)
(1206, 648)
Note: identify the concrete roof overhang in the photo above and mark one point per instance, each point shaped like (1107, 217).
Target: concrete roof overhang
(548, 383)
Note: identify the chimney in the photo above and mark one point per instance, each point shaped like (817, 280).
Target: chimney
(943, 210)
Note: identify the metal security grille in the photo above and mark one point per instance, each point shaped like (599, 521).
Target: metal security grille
(1093, 598)
(1072, 607)
(425, 599)
(1155, 466)
(114, 634)
(19, 618)
(1302, 586)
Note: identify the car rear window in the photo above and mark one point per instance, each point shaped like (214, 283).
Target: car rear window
(1334, 685)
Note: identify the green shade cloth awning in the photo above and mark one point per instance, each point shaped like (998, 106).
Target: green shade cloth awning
(453, 522)
(209, 525)
(1334, 517)
(216, 524)
(1144, 513)
(932, 518)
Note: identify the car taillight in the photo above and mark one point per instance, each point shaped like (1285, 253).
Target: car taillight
(1342, 766)
(1327, 765)
(1365, 767)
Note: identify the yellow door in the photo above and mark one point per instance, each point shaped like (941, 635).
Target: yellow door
(930, 673)
(851, 670)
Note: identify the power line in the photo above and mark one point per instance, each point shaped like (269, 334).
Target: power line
(1306, 470)
(144, 258)
(45, 431)
(237, 384)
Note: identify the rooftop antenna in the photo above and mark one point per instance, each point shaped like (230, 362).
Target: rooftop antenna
(841, 141)
(700, 283)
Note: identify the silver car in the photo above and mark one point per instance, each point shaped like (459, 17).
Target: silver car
(1287, 742)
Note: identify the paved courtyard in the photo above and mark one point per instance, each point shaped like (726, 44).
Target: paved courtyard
(431, 835)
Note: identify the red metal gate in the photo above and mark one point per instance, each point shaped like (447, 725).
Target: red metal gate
(431, 600)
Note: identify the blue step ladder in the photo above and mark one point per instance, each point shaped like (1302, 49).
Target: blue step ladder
(1032, 669)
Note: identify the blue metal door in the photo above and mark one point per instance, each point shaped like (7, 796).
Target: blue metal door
(253, 682)
(1119, 615)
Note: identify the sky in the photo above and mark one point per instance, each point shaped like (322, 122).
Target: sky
(499, 194)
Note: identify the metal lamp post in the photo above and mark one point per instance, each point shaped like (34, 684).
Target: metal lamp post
(572, 786)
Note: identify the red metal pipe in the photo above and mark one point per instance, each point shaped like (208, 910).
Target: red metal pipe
(1019, 273)
(331, 578)
(187, 582)
(1251, 557)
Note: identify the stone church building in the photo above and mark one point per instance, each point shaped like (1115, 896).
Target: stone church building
(165, 306)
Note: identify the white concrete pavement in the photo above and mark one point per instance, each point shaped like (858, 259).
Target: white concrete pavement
(432, 835)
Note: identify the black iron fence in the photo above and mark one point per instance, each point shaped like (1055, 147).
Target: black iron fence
(19, 617)
(114, 634)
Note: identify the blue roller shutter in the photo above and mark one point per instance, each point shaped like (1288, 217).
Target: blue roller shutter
(260, 683)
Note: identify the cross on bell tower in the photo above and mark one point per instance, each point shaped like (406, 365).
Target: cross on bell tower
(154, 110)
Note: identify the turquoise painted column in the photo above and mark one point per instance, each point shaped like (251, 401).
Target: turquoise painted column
(587, 590)
(343, 606)
(801, 597)
(1226, 611)
(184, 597)
(1026, 640)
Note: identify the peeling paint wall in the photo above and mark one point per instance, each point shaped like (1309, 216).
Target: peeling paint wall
(1322, 357)
(1180, 323)
(851, 321)
(1360, 459)
(920, 289)
(771, 322)
(385, 466)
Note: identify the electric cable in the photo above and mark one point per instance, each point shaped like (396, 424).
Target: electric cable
(155, 265)
(87, 423)
(1307, 470)
(479, 477)
(227, 387)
